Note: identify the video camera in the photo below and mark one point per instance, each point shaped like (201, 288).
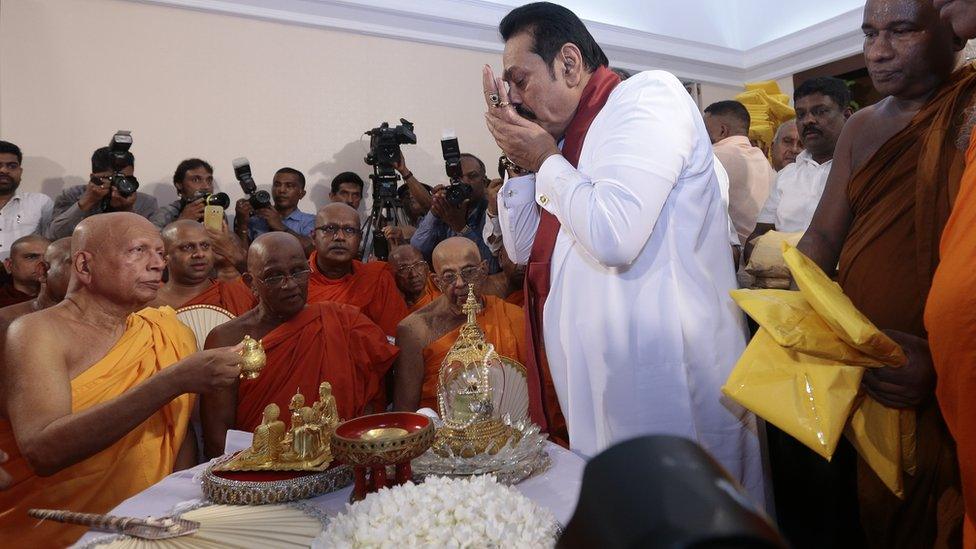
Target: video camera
(457, 192)
(119, 146)
(257, 198)
(384, 153)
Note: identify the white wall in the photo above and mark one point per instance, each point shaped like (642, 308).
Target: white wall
(189, 83)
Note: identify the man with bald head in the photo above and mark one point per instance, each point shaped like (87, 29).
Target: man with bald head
(338, 276)
(786, 145)
(190, 260)
(412, 275)
(96, 386)
(896, 172)
(26, 254)
(427, 335)
(750, 175)
(305, 343)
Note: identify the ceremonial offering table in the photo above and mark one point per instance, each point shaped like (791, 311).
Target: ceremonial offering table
(556, 488)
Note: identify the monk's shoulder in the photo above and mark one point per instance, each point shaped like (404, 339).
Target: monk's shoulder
(49, 327)
(230, 332)
(377, 271)
(416, 325)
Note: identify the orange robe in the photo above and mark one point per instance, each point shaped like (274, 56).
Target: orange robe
(153, 341)
(950, 317)
(370, 287)
(516, 298)
(325, 342)
(504, 327)
(234, 296)
(431, 292)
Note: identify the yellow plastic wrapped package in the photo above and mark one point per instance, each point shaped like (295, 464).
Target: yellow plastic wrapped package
(802, 372)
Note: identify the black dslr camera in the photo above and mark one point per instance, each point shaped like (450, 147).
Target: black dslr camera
(216, 199)
(457, 192)
(258, 199)
(384, 152)
(126, 185)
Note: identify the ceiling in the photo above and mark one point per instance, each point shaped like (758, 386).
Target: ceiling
(717, 41)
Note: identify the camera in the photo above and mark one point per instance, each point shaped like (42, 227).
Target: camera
(216, 199)
(258, 199)
(119, 147)
(384, 153)
(457, 192)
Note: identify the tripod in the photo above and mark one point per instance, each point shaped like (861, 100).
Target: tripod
(383, 213)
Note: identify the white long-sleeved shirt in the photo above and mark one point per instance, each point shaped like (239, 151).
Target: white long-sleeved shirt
(640, 331)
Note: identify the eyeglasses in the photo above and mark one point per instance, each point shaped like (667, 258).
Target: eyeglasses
(467, 274)
(333, 230)
(419, 266)
(300, 277)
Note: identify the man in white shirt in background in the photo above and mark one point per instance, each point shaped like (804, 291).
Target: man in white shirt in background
(822, 107)
(625, 236)
(21, 213)
(750, 175)
(786, 145)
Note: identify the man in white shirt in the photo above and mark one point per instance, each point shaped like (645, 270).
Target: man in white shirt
(21, 213)
(822, 108)
(786, 145)
(626, 241)
(750, 175)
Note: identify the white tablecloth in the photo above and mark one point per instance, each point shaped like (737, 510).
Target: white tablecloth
(557, 489)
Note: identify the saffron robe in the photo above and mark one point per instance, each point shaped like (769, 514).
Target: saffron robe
(234, 296)
(370, 287)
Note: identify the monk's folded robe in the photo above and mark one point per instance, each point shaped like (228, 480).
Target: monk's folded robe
(153, 340)
(504, 327)
(516, 298)
(370, 287)
(950, 317)
(431, 292)
(234, 296)
(325, 342)
(900, 201)
(802, 372)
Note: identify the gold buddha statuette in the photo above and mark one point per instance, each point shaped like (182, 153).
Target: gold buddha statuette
(252, 358)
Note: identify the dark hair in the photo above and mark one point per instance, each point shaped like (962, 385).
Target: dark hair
(190, 164)
(6, 147)
(481, 165)
(346, 177)
(731, 108)
(293, 171)
(834, 88)
(101, 160)
(552, 26)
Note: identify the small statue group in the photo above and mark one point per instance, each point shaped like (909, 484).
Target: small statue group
(303, 447)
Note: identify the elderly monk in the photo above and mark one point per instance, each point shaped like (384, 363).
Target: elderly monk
(190, 256)
(338, 276)
(96, 391)
(895, 174)
(786, 145)
(306, 344)
(950, 313)
(412, 275)
(26, 253)
(427, 335)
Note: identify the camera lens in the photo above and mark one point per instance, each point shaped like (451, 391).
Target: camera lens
(126, 185)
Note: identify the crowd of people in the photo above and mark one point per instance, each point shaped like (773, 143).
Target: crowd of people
(604, 268)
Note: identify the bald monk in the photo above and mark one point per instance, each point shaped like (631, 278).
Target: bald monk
(412, 275)
(53, 273)
(96, 391)
(950, 313)
(895, 174)
(427, 335)
(25, 255)
(305, 343)
(190, 256)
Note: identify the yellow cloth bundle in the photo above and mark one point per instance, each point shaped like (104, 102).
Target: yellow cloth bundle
(768, 108)
(802, 372)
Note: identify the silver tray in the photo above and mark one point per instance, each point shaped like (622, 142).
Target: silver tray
(238, 492)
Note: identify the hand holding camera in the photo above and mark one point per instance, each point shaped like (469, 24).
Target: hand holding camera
(97, 189)
(455, 216)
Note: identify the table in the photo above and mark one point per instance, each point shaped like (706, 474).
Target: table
(557, 488)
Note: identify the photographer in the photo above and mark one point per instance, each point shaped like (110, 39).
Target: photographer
(347, 187)
(193, 180)
(446, 220)
(287, 189)
(408, 216)
(76, 203)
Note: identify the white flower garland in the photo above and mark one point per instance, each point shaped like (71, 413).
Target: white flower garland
(443, 512)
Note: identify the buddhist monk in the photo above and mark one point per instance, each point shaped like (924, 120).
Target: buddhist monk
(950, 313)
(427, 335)
(53, 273)
(338, 276)
(190, 256)
(412, 275)
(895, 175)
(96, 386)
(25, 255)
(305, 343)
